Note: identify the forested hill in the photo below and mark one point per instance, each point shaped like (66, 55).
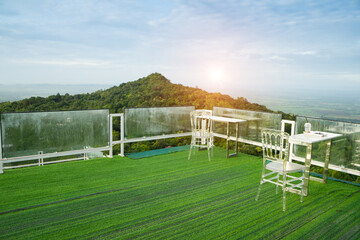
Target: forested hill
(151, 91)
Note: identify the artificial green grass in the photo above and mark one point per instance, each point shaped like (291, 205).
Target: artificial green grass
(169, 197)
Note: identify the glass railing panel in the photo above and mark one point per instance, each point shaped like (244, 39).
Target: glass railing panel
(251, 128)
(146, 122)
(25, 134)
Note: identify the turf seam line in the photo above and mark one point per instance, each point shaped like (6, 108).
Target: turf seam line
(64, 200)
(352, 194)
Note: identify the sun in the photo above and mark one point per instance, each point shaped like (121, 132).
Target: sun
(216, 74)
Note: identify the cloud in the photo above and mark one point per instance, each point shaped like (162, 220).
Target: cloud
(64, 62)
(290, 23)
(307, 53)
(279, 59)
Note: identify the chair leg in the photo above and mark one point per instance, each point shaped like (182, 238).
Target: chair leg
(284, 200)
(284, 191)
(190, 152)
(261, 181)
(258, 192)
(209, 154)
(277, 186)
(302, 188)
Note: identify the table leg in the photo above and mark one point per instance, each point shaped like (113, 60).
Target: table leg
(307, 169)
(327, 160)
(257, 130)
(228, 139)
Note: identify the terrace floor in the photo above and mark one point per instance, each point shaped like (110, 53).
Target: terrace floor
(169, 197)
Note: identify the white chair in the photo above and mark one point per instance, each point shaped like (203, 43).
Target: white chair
(275, 145)
(202, 134)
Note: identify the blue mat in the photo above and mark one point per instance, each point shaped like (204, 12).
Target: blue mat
(156, 152)
(335, 179)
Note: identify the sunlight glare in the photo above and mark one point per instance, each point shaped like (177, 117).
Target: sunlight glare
(216, 75)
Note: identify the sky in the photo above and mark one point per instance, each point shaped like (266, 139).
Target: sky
(226, 46)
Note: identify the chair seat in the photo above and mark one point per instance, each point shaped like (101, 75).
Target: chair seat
(201, 134)
(290, 167)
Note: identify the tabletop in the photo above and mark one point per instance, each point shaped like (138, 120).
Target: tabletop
(240, 116)
(226, 119)
(312, 137)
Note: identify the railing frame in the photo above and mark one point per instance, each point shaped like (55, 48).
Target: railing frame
(122, 142)
(41, 156)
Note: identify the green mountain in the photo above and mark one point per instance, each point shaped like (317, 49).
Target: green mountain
(151, 91)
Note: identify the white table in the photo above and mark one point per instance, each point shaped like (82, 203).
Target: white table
(308, 139)
(228, 121)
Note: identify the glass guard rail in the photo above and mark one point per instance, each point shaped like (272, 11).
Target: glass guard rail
(25, 134)
(251, 128)
(148, 122)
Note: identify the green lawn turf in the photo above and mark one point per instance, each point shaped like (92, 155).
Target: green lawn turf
(168, 197)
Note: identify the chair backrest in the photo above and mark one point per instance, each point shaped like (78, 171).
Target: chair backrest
(275, 145)
(201, 120)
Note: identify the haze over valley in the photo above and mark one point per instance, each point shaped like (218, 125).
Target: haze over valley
(325, 104)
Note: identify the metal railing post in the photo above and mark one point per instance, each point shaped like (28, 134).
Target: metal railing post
(292, 123)
(1, 162)
(41, 160)
(111, 136)
(122, 138)
(86, 154)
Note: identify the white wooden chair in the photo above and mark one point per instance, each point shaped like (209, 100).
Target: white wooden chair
(275, 145)
(202, 134)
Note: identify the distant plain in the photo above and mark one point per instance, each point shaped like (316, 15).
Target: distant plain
(340, 106)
